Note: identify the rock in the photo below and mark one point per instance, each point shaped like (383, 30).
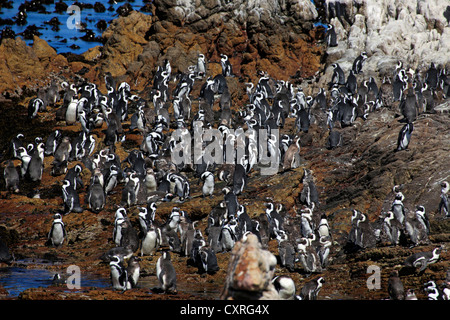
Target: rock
(250, 272)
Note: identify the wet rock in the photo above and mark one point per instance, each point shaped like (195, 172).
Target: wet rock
(250, 272)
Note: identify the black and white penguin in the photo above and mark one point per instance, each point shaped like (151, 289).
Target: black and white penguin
(130, 190)
(410, 295)
(391, 229)
(165, 272)
(11, 176)
(331, 36)
(120, 216)
(433, 291)
(398, 208)
(63, 150)
(208, 184)
(404, 137)
(352, 84)
(35, 166)
(395, 287)
(208, 260)
(148, 233)
(52, 142)
(71, 198)
(409, 106)
(275, 220)
(335, 139)
(432, 77)
(96, 197)
(443, 204)
(422, 217)
(231, 202)
(201, 67)
(227, 237)
(111, 179)
(34, 106)
(309, 194)
(359, 62)
(311, 289)
(421, 260)
(227, 69)
(285, 287)
(57, 232)
(338, 76)
(239, 179)
(16, 143)
(119, 275)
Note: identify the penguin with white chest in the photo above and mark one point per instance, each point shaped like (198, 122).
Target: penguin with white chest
(166, 274)
(148, 235)
(421, 260)
(96, 195)
(208, 184)
(57, 232)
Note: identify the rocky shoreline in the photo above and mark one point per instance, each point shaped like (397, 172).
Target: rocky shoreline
(282, 41)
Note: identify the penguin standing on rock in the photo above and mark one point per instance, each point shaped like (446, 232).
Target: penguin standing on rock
(57, 232)
(11, 176)
(227, 69)
(208, 184)
(165, 272)
(119, 275)
(285, 287)
(404, 136)
(443, 204)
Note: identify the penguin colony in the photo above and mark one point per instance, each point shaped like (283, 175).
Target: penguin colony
(147, 177)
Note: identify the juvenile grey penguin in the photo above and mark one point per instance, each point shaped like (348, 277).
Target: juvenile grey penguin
(57, 232)
(96, 198)
(36, 165)
(133, 271)
(395, 287)
(130, 236)
(11, 176)
(398, 208)
(62, 152)
(291, 158)
(311, 289)
(165, 272)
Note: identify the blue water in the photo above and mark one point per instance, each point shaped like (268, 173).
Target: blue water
(16, 279)
(66, 39)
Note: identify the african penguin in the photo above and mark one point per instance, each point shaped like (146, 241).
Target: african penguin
(311, 289)
(11, 176)
(57, 231)
(404, 136)
(395, 287)
(165, 272)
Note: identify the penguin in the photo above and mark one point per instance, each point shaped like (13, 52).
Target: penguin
(291, 158)
(422, 216)
(201, 66)
(306, 223)
(331, 37)
(432, 77)
(71, 198)
(309, 194)
(311, 289)
(409, 106)
(334, 139)
(433, 291)
(227, 69)
(120, 216)
(111, 179)
(150, 181)
(285, 287)
(149, 237)
(57, 232)
(129, 236)
(62, 152)
(231, 202)
(208, 184)
(73, 175)
(208, 260)
(275, 220)
(130, 191)
(133, 271)
(398, 208)
(52, 142)
(34, 106)
(244, 222)
(359, 62)
(119, 275)
(227, 237)
(404, 137)
(308, 256)
(165, 272)
(415, 230)
(351, 83)
(391, 229)
(36, 164)
(96, 197)
(361, 234)
(11, 176)
(323, 251)
(286, 251)
(124, 253)
(338, 76)
(323, 229)
(443, 204)
(395, 287)
(72, 112)
(239, 179)
(421, 260)
(16, 143)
